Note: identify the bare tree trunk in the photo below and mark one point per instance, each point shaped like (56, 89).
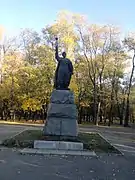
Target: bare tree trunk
(127, 113)
(95, 105)
(12, 98)
(119, 110)
(98, 111)
(128, 94)
(112, 99)
(101, 99)
(1, 63)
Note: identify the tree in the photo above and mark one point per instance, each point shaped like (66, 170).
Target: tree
(99, 59)
(115, 73)
(96, 45)
(130, 44)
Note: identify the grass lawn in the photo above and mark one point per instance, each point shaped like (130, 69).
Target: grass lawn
(91, 141)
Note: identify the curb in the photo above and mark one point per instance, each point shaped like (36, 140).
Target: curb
(21, 124)
(13, 136)
(111, 144)
(56, 152)
(106, 141)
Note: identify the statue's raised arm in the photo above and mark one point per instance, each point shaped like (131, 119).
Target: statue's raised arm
(56, 50)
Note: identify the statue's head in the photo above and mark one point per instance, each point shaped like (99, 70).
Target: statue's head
(64, 54)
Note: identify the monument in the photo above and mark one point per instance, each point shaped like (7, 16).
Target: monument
(62, 112)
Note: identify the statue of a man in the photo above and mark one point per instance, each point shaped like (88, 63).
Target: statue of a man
(64, 70)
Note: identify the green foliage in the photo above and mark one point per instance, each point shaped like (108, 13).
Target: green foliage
(97, 52)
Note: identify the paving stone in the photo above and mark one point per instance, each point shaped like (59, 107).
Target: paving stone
(28, 151)
(88, 153)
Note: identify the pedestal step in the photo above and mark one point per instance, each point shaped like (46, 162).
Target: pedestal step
(58, 145)
(57, 152)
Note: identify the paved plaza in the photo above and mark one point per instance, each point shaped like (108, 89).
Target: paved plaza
(14, 166)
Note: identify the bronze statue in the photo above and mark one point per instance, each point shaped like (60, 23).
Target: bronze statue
(64, 70)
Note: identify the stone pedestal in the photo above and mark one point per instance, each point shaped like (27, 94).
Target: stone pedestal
(61, 115)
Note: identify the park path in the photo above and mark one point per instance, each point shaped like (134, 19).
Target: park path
(7, 131)
(122, 138)
(103, 167)
(56, 167)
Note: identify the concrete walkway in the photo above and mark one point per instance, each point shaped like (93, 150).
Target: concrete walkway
(14, 166)
(7, 131)
(56, 167)
(122, 138)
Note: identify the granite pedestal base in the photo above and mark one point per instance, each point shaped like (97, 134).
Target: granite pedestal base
(61, 115)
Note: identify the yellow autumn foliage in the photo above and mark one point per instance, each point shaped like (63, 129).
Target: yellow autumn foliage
(31, 104)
